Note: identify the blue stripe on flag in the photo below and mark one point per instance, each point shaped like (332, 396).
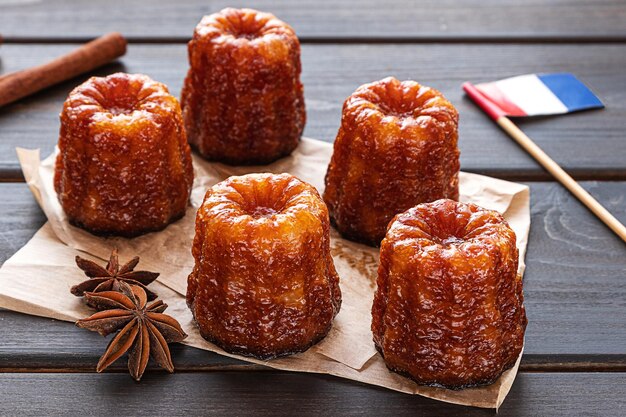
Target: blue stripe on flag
(571, 91)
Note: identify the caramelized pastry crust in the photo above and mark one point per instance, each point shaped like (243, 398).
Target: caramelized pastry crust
(448, 310)
(124, 164)
(242, 99)
(264, 283)
(396, 147)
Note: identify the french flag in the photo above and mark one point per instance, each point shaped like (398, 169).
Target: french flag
(533, 95)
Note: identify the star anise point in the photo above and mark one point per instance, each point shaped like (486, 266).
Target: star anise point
(144, 331)
(108, 278)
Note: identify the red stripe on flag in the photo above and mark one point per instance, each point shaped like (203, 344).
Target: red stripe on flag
(492, 93)
(483, 102)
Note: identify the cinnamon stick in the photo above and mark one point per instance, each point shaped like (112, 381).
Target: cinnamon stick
(89, 56)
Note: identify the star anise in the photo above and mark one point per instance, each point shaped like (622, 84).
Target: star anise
(109, 278)
(145, 331)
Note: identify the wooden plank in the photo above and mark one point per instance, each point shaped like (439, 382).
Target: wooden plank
(37, 343)
(575, 288)
(575, 282)
(20, 218)
(279, 394)
(326, 19)
(40, 344)
(590, 145)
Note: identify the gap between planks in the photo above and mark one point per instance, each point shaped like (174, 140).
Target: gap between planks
(494, 39)
(14, 175)
(560, 367)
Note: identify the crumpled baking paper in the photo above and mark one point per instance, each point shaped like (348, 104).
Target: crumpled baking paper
(37, 279)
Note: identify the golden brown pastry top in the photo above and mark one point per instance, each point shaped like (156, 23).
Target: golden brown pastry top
(462, 229)
(119, 103)
(234, 28)
(266, 209)
(400, 105)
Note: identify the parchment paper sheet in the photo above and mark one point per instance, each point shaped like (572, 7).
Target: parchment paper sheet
(37, 279)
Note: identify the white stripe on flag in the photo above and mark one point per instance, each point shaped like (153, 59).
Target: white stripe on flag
(531, 95)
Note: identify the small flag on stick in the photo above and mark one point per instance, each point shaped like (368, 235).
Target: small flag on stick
(539, 95)
(535, 95)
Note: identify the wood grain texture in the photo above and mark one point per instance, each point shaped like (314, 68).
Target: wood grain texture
(575, 287)
(281, 394)
(589, 145)
(325, 19)
(575, 281)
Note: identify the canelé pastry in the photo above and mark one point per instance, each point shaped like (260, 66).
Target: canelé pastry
(396, 147)
(242, 99)
(124, 164)
(264, 283)
(448, 309)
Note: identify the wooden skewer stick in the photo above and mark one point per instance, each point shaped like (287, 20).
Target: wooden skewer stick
(94, 54)
(548, 163)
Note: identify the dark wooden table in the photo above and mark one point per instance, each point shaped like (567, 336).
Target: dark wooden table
(575, 285)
